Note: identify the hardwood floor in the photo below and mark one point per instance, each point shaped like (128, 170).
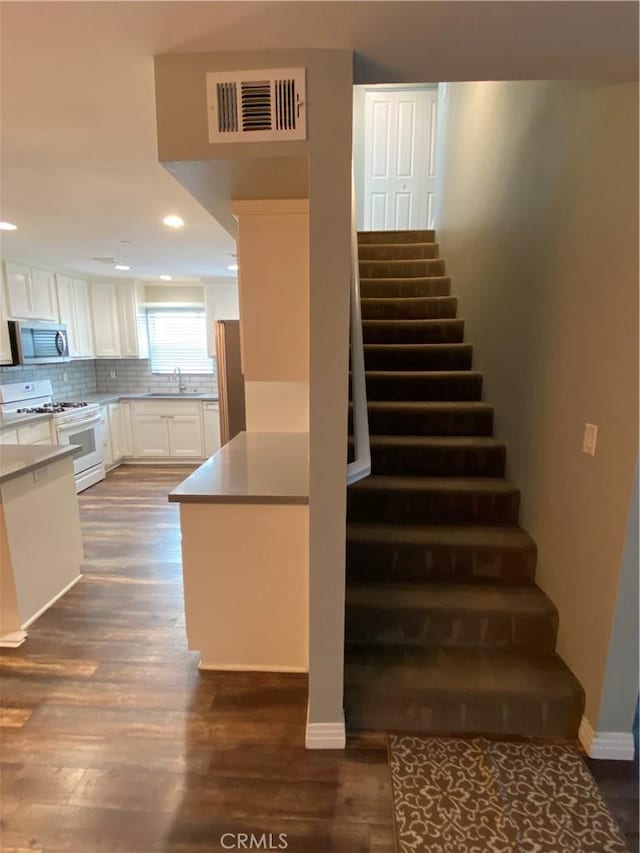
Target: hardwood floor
(112, 740)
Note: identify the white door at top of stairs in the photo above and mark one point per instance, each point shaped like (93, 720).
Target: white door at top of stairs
(399, 153)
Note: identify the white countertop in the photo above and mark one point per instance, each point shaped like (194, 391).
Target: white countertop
(19, 459)
(254, 467)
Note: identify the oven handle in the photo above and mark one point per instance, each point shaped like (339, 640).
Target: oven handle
(74, 425)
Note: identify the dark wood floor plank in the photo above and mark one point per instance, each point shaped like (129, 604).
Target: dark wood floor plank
(115, 741)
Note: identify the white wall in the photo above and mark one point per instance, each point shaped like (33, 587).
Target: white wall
(539, 228)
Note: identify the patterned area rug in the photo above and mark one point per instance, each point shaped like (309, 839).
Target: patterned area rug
(479, 796)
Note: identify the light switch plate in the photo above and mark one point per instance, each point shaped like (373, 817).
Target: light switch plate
(112, 374)
(590, 439)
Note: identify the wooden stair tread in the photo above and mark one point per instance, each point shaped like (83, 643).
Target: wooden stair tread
(448, 596)
(442, 536)
(434, 484)
(469, 670)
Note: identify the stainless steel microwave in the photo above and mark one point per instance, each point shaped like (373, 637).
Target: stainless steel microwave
(38, 342)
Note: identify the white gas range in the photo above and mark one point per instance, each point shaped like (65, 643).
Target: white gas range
(74, 423)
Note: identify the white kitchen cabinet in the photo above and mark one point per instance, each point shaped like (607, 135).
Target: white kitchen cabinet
(211, 424)
(104, 317)
(9, 436)
(66, 310)
(127, 428)
(150, 435)
(43, 295)
(40, 433)
(132, 343)
(31, 293)
(167, 428)
(84, 338)
(185, 436)
(115, 431)
(19, 291)
(220, 303)
(106, 437)
(73, 308)
(5, 342)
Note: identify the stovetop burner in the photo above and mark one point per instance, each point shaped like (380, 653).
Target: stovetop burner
(51, 408)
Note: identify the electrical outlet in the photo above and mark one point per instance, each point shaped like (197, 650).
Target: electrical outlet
(113, 374)
(590, 439)
(65, 377)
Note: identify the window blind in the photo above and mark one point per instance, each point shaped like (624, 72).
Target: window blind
(178, 338)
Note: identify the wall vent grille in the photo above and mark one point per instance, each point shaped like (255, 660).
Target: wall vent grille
(257, 106)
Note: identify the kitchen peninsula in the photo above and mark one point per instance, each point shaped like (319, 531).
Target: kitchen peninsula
(245, 554)
(40, 539)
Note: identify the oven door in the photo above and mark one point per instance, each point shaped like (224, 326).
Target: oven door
(87, 435)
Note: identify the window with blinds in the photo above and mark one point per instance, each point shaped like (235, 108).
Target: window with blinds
(178, 338)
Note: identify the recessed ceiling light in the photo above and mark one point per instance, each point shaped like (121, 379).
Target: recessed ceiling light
(8, 226)
(166, 278)
(232, 267)
(173, 221)
(122, 267)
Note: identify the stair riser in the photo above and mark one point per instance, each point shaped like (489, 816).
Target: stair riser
(399, 287)
(397, 269)
(450, 628)
(431, 332)
(430, 308)
(365, 238)
(463, 712)
(438, 461)
(405, 507)
(424, 388)
(378, 562)
(397, 251)
(456, 358)
(428, 423)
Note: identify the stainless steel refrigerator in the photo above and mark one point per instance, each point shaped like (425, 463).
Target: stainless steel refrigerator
(230, 379)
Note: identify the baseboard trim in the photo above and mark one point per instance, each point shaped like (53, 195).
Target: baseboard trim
(244, 667)
(49, 603)
(610, 746)
(326, 735)
(13, 640)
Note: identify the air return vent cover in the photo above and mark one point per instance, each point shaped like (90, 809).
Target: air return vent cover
(256, 106)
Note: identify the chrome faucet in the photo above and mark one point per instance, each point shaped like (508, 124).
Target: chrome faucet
(182, 385)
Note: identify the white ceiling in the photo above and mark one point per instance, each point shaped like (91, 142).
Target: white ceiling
(78, 165)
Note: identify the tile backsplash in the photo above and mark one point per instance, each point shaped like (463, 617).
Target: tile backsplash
(69, 381)
(133, 375)
(75, 379)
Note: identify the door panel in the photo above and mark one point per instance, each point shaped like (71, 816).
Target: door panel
(400, 129)
(406, 139)
(185, 436)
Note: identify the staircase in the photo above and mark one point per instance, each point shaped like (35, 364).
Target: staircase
(446, 631)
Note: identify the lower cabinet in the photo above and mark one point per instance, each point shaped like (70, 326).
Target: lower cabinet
(39, 433)
(150, 435)
(170, 429)
(211, 424)
(106, 437)
(116, 432)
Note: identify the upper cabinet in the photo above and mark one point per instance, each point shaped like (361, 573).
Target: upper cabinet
(104, 315)
(84, 337)
(5, 343)
(73, 308)
(133, 339)
(43, 290)
(117, 330)
(31, 293)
